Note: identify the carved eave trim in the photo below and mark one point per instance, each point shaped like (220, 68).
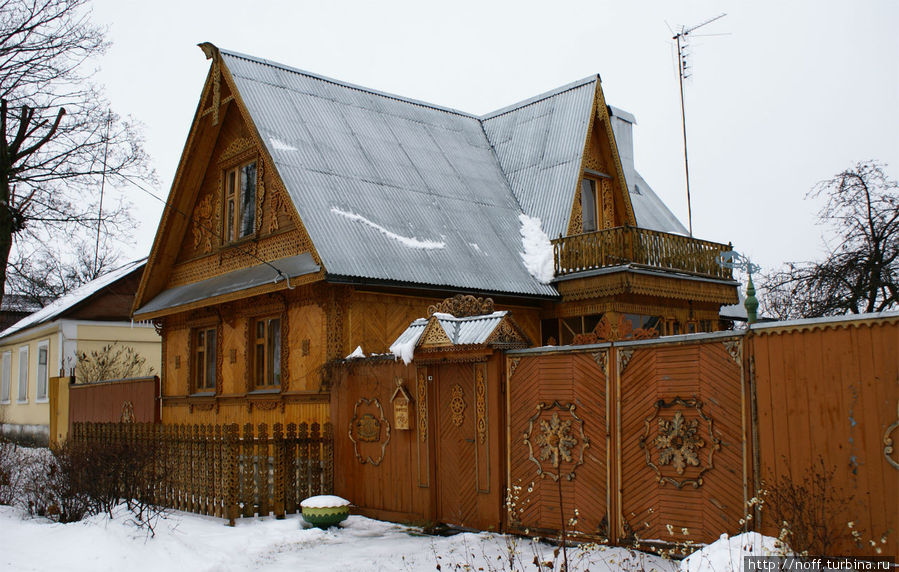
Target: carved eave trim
(630, 280)
(508, 335)
(434, 336)
(602, 114)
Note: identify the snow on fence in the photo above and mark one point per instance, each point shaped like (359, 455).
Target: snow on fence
(223, 471)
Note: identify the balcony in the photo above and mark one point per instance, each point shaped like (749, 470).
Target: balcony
(649, 248)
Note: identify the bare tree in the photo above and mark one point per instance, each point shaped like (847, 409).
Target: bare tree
(58, 136)
(861, 270)
(40, 274)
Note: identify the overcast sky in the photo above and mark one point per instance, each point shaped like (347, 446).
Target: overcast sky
(791, 94)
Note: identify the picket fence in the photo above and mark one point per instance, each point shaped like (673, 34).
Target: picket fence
(223, 471)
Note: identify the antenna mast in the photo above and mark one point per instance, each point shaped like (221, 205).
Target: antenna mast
(681, 39)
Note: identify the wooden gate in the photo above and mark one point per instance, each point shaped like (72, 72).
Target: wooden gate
(456, 457)
(640, 440)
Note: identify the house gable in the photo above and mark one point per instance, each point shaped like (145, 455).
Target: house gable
(601, 164)
(190, 245)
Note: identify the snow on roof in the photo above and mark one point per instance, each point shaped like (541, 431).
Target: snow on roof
(73, 298)
(470, 330)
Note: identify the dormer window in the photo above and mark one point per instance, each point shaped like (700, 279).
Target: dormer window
(240, 201)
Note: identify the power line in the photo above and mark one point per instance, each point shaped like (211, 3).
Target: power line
(212, 231)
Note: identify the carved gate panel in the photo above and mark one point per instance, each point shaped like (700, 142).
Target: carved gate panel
(682, 458)
(456, 465)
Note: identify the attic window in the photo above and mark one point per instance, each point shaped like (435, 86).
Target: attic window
(588, 204)
(240, 201)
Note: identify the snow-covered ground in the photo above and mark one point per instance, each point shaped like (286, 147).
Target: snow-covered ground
(191, 542)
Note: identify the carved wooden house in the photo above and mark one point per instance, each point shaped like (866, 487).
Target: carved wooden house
(309, 216)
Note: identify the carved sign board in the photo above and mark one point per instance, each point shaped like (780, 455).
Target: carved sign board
(401, 401)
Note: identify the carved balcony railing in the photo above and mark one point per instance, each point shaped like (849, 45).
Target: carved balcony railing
(631, 245)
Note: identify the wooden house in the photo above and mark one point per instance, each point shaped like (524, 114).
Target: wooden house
(309, 216)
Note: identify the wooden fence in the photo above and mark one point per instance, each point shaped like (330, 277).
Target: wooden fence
(224, 471)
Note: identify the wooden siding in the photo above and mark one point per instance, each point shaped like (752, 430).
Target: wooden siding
(115, 401)
(831, 393)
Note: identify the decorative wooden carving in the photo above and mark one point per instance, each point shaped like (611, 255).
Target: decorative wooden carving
(177, 362)
(608, 204)
(260, 194)
(457, 405)
(608, 331)
(888, 448)
(127, 415)
(422, 405)
(480, 385)
(576, 221)
(401, 400)
(435, 336)
(235, 149)
(159, 326)
(463, 306)
(203, 223)
(735, 349)
(677, 441)
(556, 440)
(602, 360)
(279, 205)
(366, 428)
(507, 335)
(624, 357)
(513, 365)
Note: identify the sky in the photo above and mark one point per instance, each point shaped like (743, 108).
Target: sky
(782, 94)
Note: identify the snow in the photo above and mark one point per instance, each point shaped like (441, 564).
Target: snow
(405, 350)
(357, 353)
(726, 554)
(538, 251)
(324, 501)
(186, 541)
(410, 242)
(279, 145)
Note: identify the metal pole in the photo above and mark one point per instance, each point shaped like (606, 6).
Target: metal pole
(683, 117)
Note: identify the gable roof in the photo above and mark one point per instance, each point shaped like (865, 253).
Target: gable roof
(398, 191)
(388, 189)
(74, 299)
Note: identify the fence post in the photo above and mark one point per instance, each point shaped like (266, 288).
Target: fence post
(290, 469)
(219, 474)
(278, 478)
(328, 447)
(262, 472)
(231, 484)
(315, 456)
(248, 474)
(303, 459)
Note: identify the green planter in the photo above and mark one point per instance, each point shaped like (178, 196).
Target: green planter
(325, 511)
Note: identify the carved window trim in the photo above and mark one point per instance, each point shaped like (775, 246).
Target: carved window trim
(272, 377)
(195, 327)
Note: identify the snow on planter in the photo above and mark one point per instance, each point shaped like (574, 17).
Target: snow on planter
(325, 511)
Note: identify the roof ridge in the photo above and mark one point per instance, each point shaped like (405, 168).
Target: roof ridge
(349, 85)
(540, 97)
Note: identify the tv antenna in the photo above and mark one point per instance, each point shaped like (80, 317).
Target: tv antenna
(683, 73)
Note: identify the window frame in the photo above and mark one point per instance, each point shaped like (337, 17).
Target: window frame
(6, 377)
(595, 178)
(45, 382)
(234, 210)
(272, 364)
(198, 385)
(22, 389)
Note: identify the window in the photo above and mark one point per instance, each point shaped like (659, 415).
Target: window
(588, 204)
(43, 355)
(23, 375)
(5, 376)
(204, 358)
(267, 352)
(240, 202)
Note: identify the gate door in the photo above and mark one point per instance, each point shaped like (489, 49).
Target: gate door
(455, 459)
